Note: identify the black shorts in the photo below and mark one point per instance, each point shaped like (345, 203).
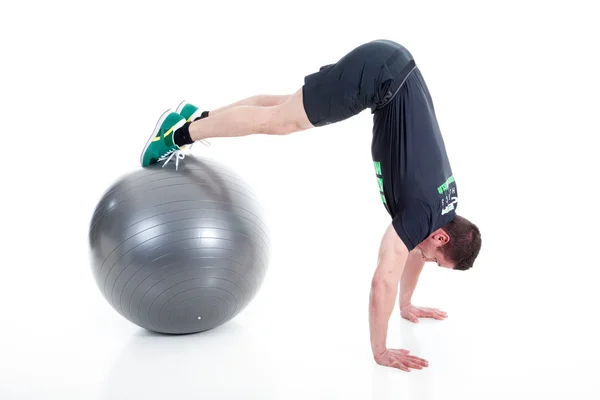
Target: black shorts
(367, 77)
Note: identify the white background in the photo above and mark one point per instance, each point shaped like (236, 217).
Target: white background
(515, 85)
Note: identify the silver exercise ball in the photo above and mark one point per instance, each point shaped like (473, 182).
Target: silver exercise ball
(179, 251)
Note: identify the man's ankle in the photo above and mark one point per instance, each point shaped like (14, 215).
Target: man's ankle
(181, 137)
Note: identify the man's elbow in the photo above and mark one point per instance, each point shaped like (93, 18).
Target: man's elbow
(381, 283)
(381, 291)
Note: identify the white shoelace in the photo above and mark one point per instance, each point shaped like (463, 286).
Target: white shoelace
(179, 154)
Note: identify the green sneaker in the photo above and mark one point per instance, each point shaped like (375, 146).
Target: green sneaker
(188, 111)
(160, 145)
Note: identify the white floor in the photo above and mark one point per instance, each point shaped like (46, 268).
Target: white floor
(516, 104)
(306, 336)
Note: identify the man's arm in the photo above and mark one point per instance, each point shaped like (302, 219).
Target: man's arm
(408, 283)
(410, 277)
(384, 287)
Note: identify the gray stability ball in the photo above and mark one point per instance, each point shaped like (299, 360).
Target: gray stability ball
(179, 251)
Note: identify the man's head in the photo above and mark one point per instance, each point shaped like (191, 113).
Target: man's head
(455, 245)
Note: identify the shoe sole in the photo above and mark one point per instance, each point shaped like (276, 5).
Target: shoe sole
(154, 133)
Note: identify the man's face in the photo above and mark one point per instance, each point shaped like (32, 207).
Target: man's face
(434, 254)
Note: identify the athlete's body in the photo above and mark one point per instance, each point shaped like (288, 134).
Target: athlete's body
(415, 179)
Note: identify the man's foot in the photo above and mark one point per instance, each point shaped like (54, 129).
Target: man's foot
(161, 145)
(188, 111)
(191, 113)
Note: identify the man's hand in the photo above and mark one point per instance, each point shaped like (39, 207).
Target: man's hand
(400, 359)
(413, 313)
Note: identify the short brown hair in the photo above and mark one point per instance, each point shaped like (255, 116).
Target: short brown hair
(465, 242)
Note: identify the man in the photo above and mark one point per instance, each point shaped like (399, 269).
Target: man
(415, 179)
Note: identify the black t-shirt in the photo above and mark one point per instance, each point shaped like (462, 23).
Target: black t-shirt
(414, 175)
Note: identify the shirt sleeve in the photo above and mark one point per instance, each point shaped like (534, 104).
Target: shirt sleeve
(413, 223)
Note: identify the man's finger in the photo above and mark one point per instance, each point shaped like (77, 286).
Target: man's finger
(414, 365)
(418, 360)
(399, 364)
(432, 314)
(427, 314)
(434, 310)
(415, 358)
(413, 318)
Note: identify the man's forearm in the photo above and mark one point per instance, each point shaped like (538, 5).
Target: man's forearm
(381, 305)
(384, 287)
(410, 277)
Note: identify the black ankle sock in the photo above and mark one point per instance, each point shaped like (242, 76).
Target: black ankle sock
(181, 136)
(203, 115)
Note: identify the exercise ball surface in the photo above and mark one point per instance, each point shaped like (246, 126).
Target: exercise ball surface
(179, 251)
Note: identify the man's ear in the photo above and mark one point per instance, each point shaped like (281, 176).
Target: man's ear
(440, 236)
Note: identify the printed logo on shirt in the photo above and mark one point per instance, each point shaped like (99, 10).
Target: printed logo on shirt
(444, 186)
(448, 192)
(377, 165)
(450, 206)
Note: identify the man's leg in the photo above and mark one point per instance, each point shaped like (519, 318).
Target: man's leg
(242, 120)
(335, 93)
(262, 100)
(266, 114)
